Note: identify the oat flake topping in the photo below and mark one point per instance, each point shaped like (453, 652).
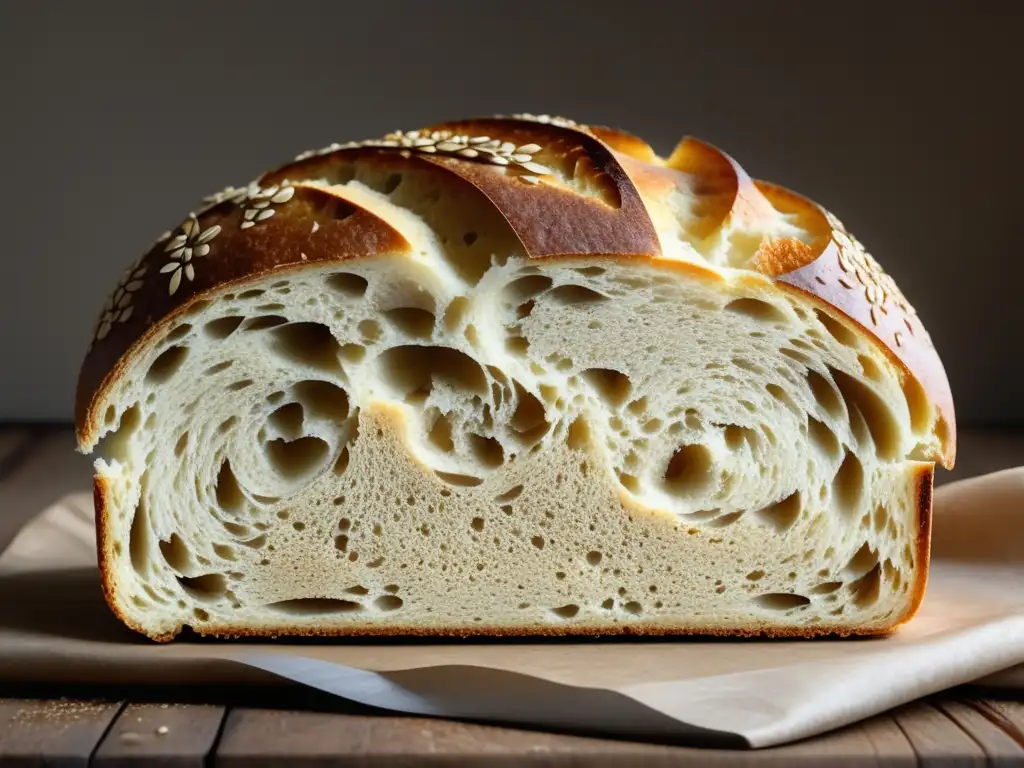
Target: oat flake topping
(476, 148)
(118, 308)
(192, 242)
(258, 202)
(879, 287)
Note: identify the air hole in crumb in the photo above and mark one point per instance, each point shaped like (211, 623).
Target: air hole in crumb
(825, 394)
(487, 450)
(413, 371)
(322, 398)
(594, 557)
(207, 587)
(341, 463)
(870, 367)
(629, 482)
(613, 387)
(736, 436)
(578, 434)
(782, 396)
(729, 519)
(575, 295)
(529, 420)
(917, 404)
(239, 385)
(264, 322)
(848, 484)
(310, 344)
(794, 354)
(880, 518)
(347, 284)
(166, 365)
(881, 423)
(414, 322)
(454, 478)
(180, 332)
(538, 542)
(370, 331)
(181, 445)
(228, 492)
(440, 433)
(388, 603)
(755, 575)
(517, 345)
(863, 560)
(827, 588)
(866, 589)
(566, 611)
(633, 607)
(510, 495)
(224, 551)
(176, 554)
(822, 438)
(352, 353)
(296, 458)
(455, 312)
(838, 330)
(782, 514)
(315, 606)
(200, 614)
(689, 470)
(527, 287)
(469, 238)
(762, 311)
(198, 307)
(781, 601)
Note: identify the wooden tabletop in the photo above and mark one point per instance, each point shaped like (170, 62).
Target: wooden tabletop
(950, 731)
(223, 727)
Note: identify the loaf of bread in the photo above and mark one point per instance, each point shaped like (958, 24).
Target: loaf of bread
(512, 376)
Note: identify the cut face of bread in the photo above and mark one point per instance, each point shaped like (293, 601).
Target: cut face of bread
(448, 435)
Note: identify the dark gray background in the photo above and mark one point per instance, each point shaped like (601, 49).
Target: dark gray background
(118, 117)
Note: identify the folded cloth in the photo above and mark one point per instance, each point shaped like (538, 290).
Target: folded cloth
(55, 627)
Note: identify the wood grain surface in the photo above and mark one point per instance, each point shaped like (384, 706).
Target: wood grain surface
(170, 735)
(946, 731)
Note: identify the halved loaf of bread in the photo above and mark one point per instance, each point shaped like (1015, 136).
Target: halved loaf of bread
(512, 376)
